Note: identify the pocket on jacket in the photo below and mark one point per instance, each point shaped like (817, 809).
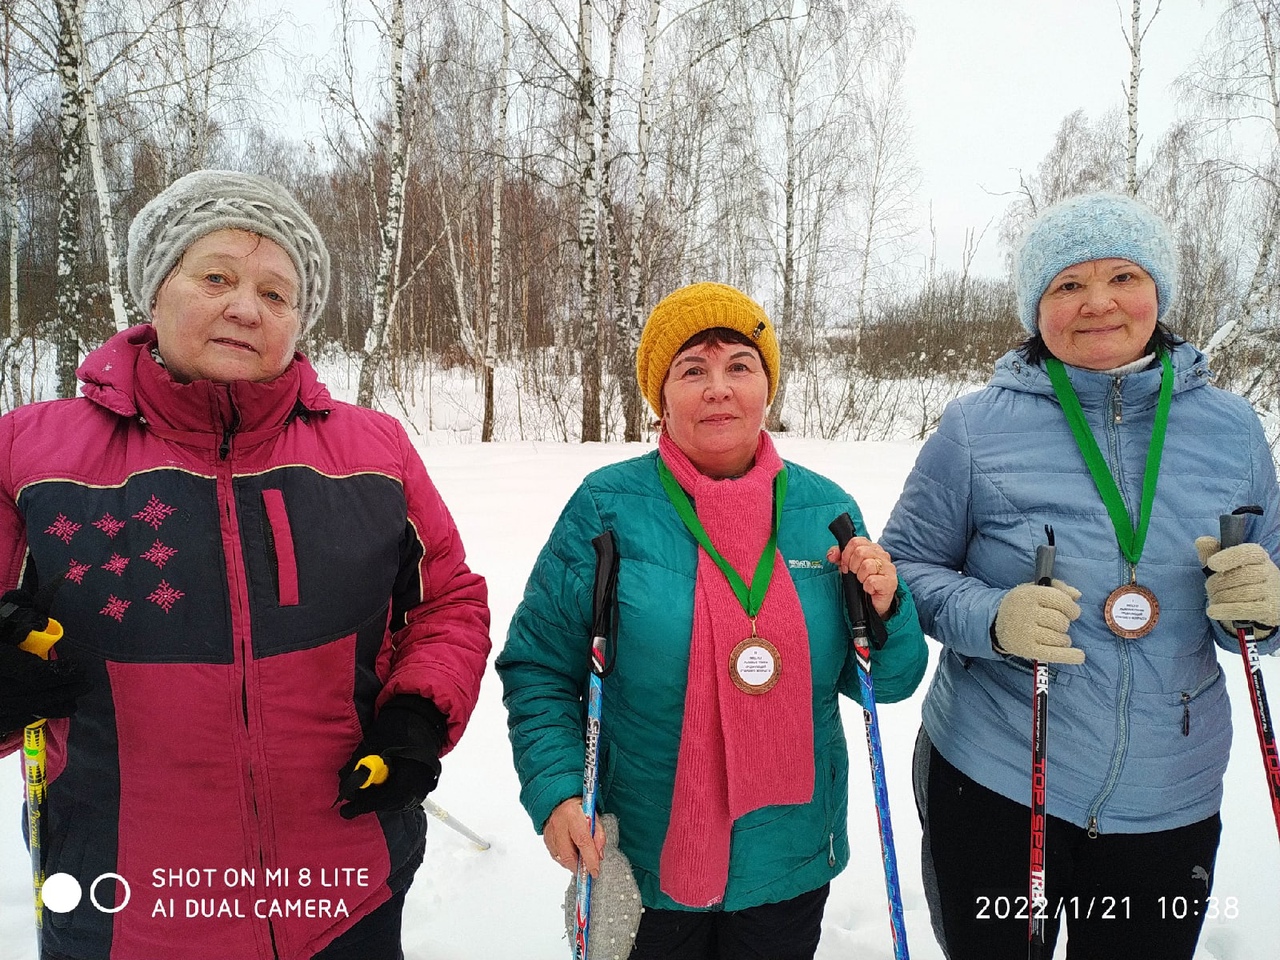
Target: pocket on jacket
(1187, 700)
(279, 536)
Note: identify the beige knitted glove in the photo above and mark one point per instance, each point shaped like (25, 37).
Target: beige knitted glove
(1243, 585)
(1032, 622)
(615, 902)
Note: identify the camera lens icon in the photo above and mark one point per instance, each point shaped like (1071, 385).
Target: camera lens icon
(62, 893)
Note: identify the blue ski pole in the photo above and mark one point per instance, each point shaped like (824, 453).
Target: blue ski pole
(601, 663)
(856, 605)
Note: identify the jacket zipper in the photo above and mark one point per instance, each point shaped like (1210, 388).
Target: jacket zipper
(237, 583)
(1126, 659)
(228, 431)
(1187, 696)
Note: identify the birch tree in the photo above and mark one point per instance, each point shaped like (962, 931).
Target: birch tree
(70, 151)
(632, 404)
(392, 224)
(8, 77)
(588, 212)
(819, 61)
(495, 230)
(1133, 38)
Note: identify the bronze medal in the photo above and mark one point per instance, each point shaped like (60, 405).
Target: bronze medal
(755, 665)
(1132, 611)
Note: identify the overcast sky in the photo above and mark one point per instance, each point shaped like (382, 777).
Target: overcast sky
(988, 84)
(989, 81)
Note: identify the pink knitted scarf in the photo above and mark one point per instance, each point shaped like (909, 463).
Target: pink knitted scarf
(738, 751)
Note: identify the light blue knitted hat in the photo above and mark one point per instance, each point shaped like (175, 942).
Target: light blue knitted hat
(1093, 226)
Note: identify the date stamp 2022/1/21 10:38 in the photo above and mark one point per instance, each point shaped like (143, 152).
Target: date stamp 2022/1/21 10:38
(1106, 908)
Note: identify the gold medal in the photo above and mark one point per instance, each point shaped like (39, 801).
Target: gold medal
(755, 665)
(1132, 611)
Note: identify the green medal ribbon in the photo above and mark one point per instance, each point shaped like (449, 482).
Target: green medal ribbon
(752, 599)
(1130, 538)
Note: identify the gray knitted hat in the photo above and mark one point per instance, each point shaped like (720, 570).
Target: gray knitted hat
(1092, 226)
(615, 902)
(209, 200)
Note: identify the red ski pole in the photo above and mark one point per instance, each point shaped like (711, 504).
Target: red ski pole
(1231, 533)
(1037, 900)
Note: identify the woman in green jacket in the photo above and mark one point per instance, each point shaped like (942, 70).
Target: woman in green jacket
(730, 786)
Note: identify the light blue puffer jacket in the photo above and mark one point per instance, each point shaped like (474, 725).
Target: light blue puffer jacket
(778, 852)
(1138, 735)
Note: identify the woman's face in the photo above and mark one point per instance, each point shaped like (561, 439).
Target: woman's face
(1099, 314)
(228, 310)
(713, 406)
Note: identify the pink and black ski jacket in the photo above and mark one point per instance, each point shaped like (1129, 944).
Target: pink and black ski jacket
(251, 569)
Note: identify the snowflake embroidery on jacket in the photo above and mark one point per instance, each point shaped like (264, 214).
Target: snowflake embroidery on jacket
(115, 608)
(155, 512)
(109, 525)
(64, 529)
(116, 564)
(165, 595)
(159, 554)
(76, 571)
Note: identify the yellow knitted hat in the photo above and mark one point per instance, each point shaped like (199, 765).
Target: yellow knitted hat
(690, 310)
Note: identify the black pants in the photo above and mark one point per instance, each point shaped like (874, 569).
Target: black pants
(772, 931)
(375, 937)
(1122, 896)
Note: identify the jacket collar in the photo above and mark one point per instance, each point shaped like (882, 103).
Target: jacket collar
(1190, 370)
(122, 376)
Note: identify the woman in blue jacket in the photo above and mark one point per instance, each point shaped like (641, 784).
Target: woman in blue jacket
(1103, 426)
(730, 786)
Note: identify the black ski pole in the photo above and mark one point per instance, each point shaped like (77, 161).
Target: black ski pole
(1231, 533)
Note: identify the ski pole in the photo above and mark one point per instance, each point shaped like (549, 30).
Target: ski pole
(379, 770)
(449, 820)
(1231, 533)
(606, 584)
(34, 760)
(1037, 901)
(856, 606)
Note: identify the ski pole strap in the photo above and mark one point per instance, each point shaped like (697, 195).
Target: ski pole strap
(603, 603)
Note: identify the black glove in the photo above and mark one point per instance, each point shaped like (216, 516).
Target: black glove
(30, 686)
(408, 735)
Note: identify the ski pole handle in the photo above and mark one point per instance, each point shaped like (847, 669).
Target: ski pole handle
(40, 642)
(377, 767)
(1045, 555)
(1231, 525)
(854, 600)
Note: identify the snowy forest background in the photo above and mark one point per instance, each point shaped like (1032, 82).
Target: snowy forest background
(508, 186)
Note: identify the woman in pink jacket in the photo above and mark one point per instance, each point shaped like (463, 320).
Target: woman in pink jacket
(259, 586)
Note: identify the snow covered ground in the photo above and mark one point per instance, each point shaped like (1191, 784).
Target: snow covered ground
(504, 902)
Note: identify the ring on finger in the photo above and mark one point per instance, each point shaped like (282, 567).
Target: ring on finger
(879, 564)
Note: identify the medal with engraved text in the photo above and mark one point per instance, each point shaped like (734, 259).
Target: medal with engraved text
(755, 665)
(1132, 611)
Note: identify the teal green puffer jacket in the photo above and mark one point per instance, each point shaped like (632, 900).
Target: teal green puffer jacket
(778, 852)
